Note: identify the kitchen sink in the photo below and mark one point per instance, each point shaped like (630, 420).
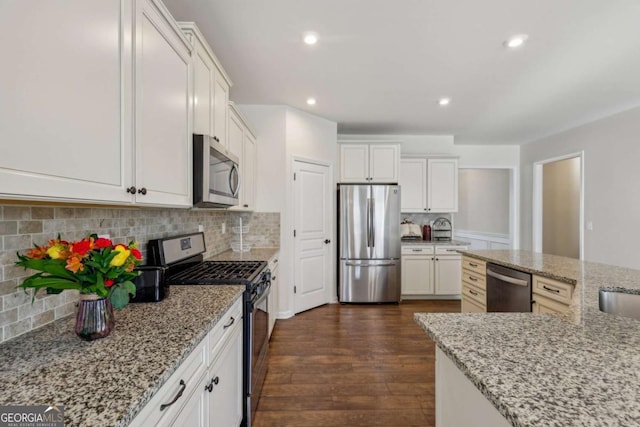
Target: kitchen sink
(620, 303)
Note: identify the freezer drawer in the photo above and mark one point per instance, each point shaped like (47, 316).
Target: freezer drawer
(369, 281)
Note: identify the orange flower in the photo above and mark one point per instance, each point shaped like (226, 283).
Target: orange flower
(37, 253)
(130, 267)
(74, 264)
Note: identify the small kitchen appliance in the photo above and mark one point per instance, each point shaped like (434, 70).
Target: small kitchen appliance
(182, 256)
(150, 284)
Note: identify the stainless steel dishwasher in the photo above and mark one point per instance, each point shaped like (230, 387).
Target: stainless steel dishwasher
(508, 290)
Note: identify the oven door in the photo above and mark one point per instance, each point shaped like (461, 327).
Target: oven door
(258, 349)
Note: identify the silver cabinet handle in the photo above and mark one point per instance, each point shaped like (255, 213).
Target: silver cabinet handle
(507, 279)
(416, 250)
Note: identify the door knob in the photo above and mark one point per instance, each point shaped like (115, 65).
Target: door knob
(327, 241)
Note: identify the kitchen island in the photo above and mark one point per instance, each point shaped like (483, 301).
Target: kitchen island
(108, 381)
(581, 369)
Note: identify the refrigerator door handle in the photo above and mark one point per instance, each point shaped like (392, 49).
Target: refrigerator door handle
(348, 264)
(373, 222)
(368, 223)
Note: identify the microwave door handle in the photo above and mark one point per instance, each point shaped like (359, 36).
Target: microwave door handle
(234, 170)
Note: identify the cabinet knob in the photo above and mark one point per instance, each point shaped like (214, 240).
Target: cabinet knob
(246, 206)
(327, 241)
(214, 381)
(142, 191)
(131, 190)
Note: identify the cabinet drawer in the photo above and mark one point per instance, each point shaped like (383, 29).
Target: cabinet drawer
(476, 294)
(223, 328)
(184, 381)
(546, 305)
(558, 291)
(474, 279)
(474, 265)
(471, 306)
(449, 250)
(417, 250)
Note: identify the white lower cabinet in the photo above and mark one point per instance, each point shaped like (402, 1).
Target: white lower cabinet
(431, 271)
(273, 296)
(206, 389)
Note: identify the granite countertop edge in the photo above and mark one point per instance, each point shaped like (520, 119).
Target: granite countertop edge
(157, 385)
(543, 273)
(475, 380)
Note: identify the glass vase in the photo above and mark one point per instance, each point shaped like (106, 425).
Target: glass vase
(95, 317)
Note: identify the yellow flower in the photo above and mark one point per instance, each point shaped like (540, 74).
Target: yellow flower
(56, 251)
(121, 257)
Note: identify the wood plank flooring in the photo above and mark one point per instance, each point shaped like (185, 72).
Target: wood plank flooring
(351, 365)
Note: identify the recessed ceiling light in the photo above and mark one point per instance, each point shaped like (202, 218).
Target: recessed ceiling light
(516, 41)
(311, 101)
(310, 38)
(444, 101)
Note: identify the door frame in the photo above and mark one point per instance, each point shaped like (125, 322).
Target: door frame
(514, 199)
(536, 220)
(331, 296)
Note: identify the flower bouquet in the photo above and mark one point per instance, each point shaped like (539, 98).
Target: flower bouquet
(101, 271)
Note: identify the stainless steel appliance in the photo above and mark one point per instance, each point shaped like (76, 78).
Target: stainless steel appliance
(508, 290)
(182, 256)
(369, 243)
(216, 179)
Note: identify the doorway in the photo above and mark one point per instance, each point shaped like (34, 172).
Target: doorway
(558, 206)
(313, 207)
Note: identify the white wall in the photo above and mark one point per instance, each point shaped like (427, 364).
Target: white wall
(612, 178)
(285, 133)
(483, 200)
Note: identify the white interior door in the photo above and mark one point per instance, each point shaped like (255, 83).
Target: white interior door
(313, 206)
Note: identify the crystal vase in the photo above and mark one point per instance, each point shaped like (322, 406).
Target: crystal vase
(95, 317)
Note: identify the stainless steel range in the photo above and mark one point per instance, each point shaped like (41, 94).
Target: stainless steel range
(182, 256)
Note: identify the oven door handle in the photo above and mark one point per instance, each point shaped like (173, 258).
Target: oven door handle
(507, 279)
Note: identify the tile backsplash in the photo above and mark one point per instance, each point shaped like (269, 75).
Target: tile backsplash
(22, 226)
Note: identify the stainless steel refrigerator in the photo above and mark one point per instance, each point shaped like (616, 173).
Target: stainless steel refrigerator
(369, 243)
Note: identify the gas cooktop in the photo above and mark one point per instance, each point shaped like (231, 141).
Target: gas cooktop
(218, 272)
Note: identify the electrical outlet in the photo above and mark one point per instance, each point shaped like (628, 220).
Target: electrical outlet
(200, 228)
(224, 228)
(105, 236)
(590, 225)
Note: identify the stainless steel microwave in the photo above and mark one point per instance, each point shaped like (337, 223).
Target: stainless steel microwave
(216, 180)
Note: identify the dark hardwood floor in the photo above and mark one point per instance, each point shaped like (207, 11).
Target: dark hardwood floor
(352, 365)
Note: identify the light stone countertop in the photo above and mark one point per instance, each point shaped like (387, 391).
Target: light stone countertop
(108, 381)
(542, 370)
(255, 254)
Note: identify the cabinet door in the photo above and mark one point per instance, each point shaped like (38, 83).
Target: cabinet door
(203, 84)
(384, 162)
(248, 195)
(220, 108)
(225, 398)
(442, 184)
(273, 299)
(354, 163)
(417, 275)
(194, 413)
(413, 181)
(448, 275)
(163, 136)
(236, 135)
(65, 103)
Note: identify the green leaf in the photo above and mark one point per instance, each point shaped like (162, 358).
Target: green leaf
(53, 291)
(129, 287)
(119, 297)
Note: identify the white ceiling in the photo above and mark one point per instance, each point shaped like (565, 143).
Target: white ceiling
(381, 65)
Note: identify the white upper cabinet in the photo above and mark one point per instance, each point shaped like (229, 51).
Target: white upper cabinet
(369, 163)
(242, 143)
(65, 120)
(210, 88)
(162, 87)
(73, 118)
(429, 185)
(413, 182)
